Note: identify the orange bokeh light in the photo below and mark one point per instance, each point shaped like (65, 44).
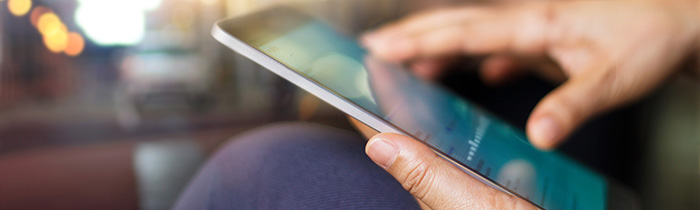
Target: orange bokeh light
(36, 13)
(75, 44)
(19, 7)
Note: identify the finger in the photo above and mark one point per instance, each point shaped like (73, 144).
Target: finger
(365, 130)
(500, 69)
(523, 29)
(433, 180)
(425, 21)
(431, 68)
(548, 70)
(580, 98)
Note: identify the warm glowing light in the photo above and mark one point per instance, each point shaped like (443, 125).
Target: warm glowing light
(57, 40)
(114, 22)
(182, 17)
(75, 45)
(48, 22)
(36, 13)
(19, 7)
(56, 28)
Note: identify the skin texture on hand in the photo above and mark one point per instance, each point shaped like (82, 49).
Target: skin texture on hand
(434, 181)
(607, 53)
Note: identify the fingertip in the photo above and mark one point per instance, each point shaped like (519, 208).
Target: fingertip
(368, 39)
(379, 136)
(492, 75)
(402, 141)
(395, 50)
(382, 150)
(387, 136)
(430, 69)
(544, 132)
(497, 70)
(387, 47)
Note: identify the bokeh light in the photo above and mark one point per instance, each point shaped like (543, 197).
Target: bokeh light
(57, 40)
(48, 22)
(19, 7)
(114, 22)
(37, 12)
(75, 45)
(144, 4)
(182, 17)
(55, 33)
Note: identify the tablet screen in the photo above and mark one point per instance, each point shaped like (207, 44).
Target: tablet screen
(453, 126)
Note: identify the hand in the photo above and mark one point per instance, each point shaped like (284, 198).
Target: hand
(434, 181)
(612, 52)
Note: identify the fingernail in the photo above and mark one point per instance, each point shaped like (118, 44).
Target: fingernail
(546, 129)
(382, 151)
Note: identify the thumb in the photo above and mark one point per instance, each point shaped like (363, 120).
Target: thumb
(433, 180)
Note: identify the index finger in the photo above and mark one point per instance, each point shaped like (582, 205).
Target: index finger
(522, 29)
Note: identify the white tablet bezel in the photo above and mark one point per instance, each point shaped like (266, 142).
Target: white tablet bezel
(322, 93)
(370, 119)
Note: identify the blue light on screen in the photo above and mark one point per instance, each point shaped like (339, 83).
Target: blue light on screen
(454, 126)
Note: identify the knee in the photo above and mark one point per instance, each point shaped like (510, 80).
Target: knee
(286, 142)
(269, 161)
(290, 164)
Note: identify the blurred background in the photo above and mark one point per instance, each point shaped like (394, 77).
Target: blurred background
(114, 104)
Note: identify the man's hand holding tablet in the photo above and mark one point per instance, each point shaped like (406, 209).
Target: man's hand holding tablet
(612, 52)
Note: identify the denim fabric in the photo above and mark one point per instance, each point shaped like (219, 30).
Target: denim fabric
(294, 166)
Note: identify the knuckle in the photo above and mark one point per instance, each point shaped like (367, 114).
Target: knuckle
(554, 28)
(600, 92)
(501, 200)
(546, 21)
(428, 14)
(549, 20)
(571, 110)
(611, 80)
(417, 179)
(606, 88)
(535, 32)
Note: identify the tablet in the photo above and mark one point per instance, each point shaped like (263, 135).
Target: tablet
(315, 56)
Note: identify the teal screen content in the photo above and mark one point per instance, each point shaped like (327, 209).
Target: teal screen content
(428, 112)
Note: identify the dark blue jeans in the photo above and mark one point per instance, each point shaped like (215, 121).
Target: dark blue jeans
(294, 166)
